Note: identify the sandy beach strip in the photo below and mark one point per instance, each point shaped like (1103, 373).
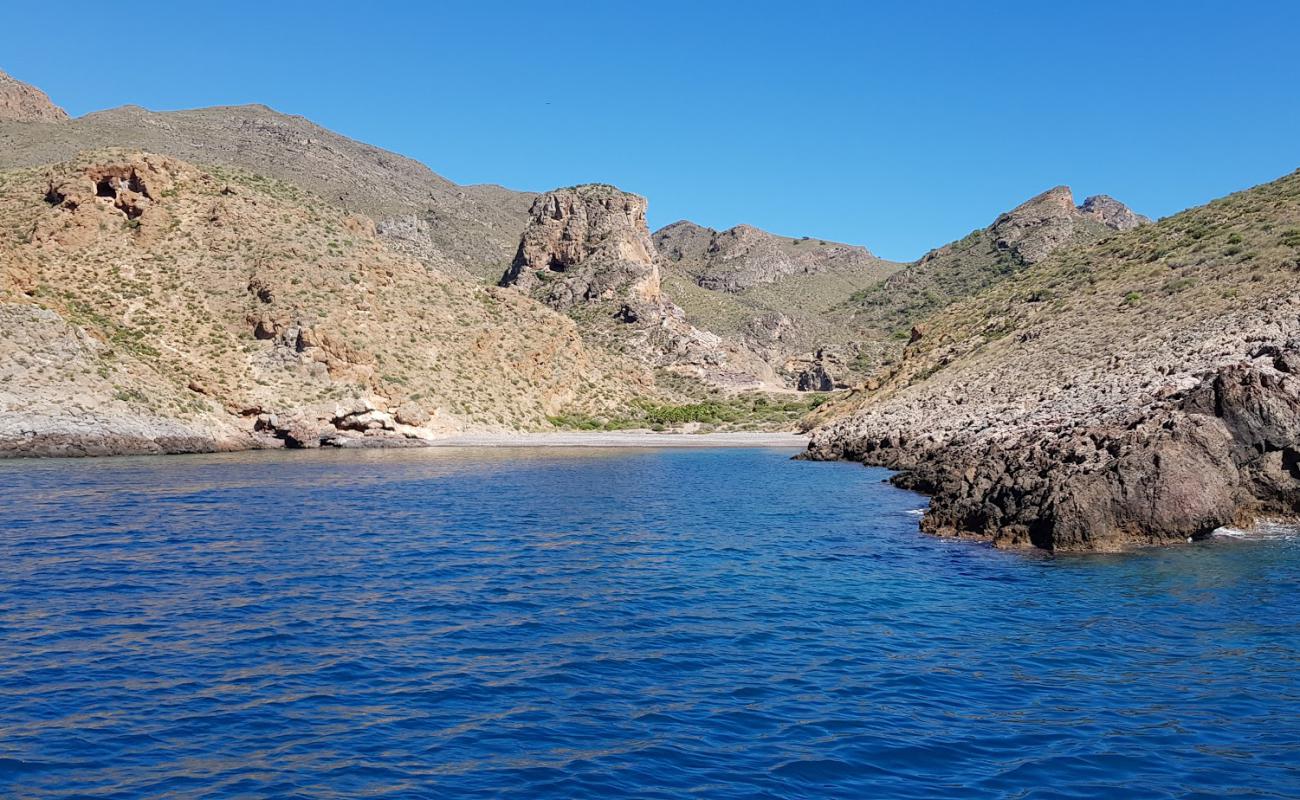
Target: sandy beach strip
(625, 439)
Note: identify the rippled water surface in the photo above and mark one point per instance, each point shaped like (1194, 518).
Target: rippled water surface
(610, 623)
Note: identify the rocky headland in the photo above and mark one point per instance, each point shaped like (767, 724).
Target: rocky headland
(1138, 389)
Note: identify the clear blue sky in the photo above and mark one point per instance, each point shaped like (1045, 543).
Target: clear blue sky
(895, 125)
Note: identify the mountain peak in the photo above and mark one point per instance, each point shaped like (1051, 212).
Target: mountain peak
(1048, 221)
(1112, 213)
(21, 102)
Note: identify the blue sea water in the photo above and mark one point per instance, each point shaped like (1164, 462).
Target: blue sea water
(607, 624)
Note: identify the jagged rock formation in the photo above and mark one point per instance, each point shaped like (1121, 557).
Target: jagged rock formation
(20, 102)
(1224, 452)
(1137, 389)
(587, 251)
(1112, 213)
(588, 244)
(149, 305)
(449, 227)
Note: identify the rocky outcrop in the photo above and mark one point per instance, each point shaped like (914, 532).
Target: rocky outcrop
(450, 228)
(819, 371)
(1225, 452)
(1112, 213)
(883, 314)
(742, 257)
(20, 102)
(587, 244)
(587, 251)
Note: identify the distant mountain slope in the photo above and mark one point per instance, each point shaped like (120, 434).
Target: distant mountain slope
(1025, 235)
(147, 304)
(774, 292)
(422, 213)
(743, 257)
(1131, 390)
(20, 102)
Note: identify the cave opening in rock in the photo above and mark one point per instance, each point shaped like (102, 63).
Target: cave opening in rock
(136, 185)
(54, 197)
(104, 188)
(556, 265)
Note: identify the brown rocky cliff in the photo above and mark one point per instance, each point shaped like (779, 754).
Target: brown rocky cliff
(20, 102)
(587, 244)
(588, 252)
(1225, 452)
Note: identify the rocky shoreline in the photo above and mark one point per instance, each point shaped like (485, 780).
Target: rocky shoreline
(1225, 452)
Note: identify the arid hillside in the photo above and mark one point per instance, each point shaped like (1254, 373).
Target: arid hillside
(149, 304)
(474, 228)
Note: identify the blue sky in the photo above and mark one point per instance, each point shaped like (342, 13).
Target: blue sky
(899, 126)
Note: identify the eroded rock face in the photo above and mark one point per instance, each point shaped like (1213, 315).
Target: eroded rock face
(20, 102)
(587, 244)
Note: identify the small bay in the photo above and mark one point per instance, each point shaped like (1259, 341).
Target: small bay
(600, 623)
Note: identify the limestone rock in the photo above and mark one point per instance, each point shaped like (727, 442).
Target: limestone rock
(1224, 451)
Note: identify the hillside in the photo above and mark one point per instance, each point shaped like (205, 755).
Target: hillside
(1059, 406)
(151, 305)
(1020, 237)
(777, 294)
(475, 228)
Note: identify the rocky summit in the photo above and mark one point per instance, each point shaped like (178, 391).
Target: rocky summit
(742, 257)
